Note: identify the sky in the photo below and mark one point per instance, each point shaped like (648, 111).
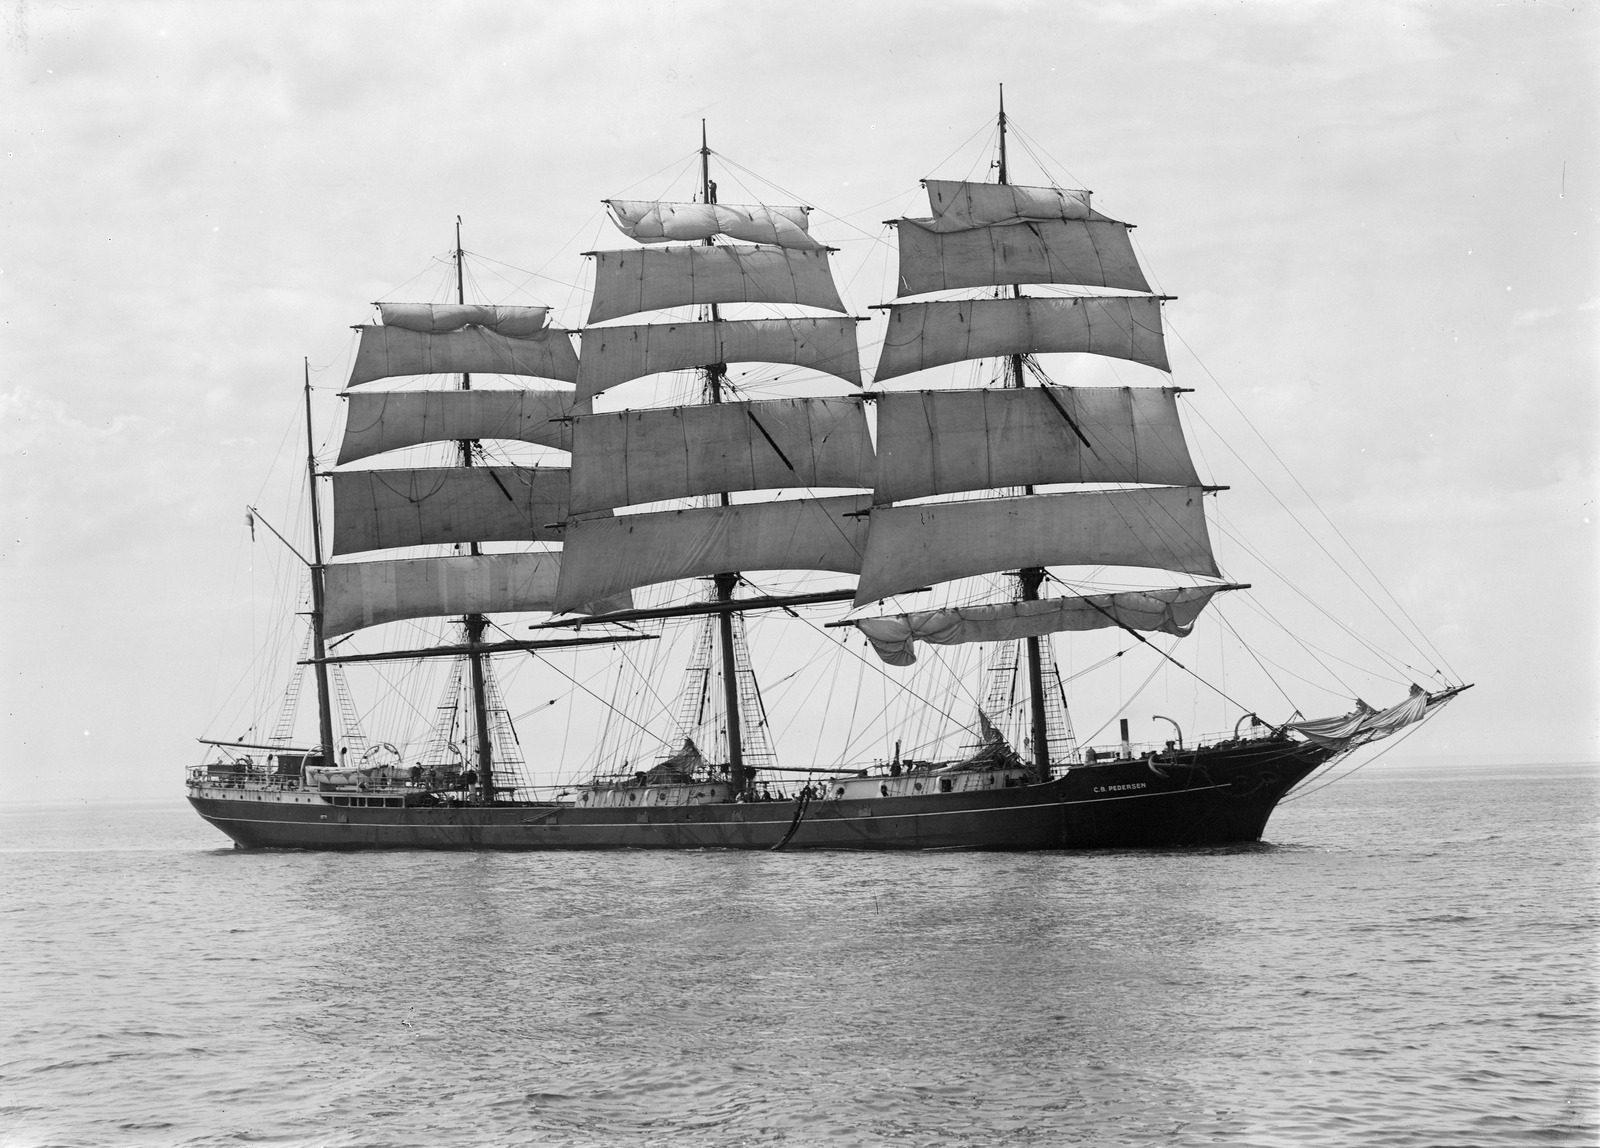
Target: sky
(1377, 219)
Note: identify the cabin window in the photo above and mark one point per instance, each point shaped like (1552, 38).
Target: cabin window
(633, 797)
(917, 785)
(395, 802)
(944, 785)
(883, 790)
(839, 792)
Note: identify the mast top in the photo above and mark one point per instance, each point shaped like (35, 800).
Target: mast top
(1003, 175)
(708, 190)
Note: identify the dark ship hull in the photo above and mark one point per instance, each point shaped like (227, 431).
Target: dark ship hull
(1214, 795)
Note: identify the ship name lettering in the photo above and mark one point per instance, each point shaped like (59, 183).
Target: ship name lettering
(1120, 788)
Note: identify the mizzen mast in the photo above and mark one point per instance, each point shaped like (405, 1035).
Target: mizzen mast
(318, 606)
(475, 624)
(723, 582)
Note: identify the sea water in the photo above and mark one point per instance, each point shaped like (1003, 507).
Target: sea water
(1410, 960)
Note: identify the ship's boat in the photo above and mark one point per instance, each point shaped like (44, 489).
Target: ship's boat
(939, 519)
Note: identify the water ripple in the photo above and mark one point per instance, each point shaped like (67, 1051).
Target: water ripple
(1377, 975)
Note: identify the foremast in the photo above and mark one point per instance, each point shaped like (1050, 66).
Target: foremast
(1029, 578)
(1051, 475)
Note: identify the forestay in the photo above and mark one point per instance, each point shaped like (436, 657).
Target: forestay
(961, 206)
(381, 509)
(940, 442)
(389, 352)
(627, 282)
(1159, 527)
(437, 318)
(631, 457)
(378, 421)
(1171, 611)
(657, 221)
(923, 335)
(613, 355)
(607, 556)
(1090, 253)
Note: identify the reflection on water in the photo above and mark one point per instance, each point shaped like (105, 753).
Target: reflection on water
(1409, 963)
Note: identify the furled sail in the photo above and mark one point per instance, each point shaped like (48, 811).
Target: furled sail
(387, 352)
(1170, 611)
(627, 282)
(1089, 253)
(1162, 527)
(636, 456)
(613, 355)
(378, 421)
(939, 442)
(609, 555)
(655, 221)
(961, 206)
(380, 509)
(1366, 724)
(361, 594)
(437, 318)
(923, 335)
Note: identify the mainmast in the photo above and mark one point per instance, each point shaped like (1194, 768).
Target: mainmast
(318, 649)
(1031, 577)
(475, 623)
(724, 583)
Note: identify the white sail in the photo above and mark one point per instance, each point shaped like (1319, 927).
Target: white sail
(388, 352)
(437, 318)
(1170, 611)
(627, 282)
(923, 335)
(961, 206)
(361, 594)
(1366, 724)
(656, 221)
(378, 421)
(939, 442)
(1089, 253)
(909, 546)
(382, 509)
(613, 355)
(630, 457)
(609, 555)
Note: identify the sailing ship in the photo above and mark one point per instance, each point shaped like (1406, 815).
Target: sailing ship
(984, 497)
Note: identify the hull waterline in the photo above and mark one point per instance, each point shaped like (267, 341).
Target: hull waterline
(1209, 797)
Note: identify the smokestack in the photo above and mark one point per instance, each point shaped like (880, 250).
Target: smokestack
(1127, 748)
